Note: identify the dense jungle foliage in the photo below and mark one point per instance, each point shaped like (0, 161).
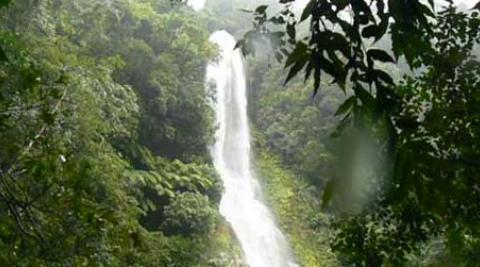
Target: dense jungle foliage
(104, 157)
(371, 158)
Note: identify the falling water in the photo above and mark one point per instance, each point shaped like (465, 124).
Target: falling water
(262, 242)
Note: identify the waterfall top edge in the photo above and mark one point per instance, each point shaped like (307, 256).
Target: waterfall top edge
(223, 39)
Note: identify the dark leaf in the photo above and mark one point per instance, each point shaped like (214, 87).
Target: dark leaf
(48, 118)
(298, 53)
(425, 10)
(341, 4)
(328, 193)
(346, 106)
(3, 57)
(381, 8)
(406, 123)
(327, 66)
(370, 31)
(339, 42)
(277, 20)
(261, 9)
(380, 55)
(317, 79)
(477, 6)
(396, 8)
(308, 71)
(383, 76)
(382, 28)
(297, 67)
(307, 11)
(4, 3)
(366, 98)
(291, 31)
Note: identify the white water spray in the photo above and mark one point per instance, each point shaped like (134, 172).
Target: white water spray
(262, 242)
(197, 5)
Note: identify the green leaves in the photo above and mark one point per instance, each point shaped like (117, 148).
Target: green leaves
(297, 54)
(297, 59)
(433, 117)
(341, 55)
(189, 213)
(76, 189)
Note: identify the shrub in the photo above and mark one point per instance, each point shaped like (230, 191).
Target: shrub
(189, 213)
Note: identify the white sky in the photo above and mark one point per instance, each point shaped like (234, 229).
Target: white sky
(468, 3)
(198, 4)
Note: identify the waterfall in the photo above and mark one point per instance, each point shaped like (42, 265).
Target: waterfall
(262, 242)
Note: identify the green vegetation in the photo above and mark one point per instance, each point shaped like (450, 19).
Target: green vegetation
(295, 126)
(298, 212)
(105, 125)
(293, 156)
(402, 182)
(103, 145)
(189, 213)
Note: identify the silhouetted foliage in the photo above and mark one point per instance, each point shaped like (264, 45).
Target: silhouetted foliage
(420, 180)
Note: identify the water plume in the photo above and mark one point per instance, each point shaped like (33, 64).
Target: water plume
(262, 242)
